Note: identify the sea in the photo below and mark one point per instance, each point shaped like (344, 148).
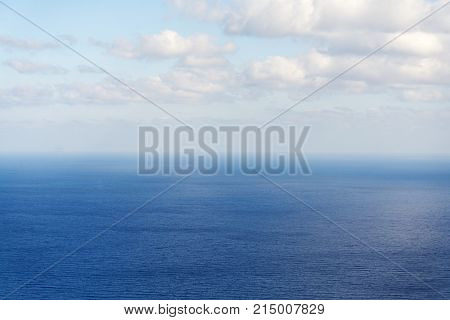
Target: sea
(90, 227)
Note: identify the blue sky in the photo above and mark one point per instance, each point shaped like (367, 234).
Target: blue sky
(225, 62)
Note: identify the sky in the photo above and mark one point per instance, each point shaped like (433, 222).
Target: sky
(225, 63)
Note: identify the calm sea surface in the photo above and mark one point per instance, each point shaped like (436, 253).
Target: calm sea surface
(225, 237)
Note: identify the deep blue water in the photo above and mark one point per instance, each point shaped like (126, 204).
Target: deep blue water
(225, 237)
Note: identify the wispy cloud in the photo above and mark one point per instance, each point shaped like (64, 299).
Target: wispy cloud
(30, 67)
(84, 68)
(26, 44)
(33, 44)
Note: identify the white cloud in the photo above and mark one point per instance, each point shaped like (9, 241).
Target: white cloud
(35, 45)
(200, 83)
(299, 17)
(192, 84)
(180, 85)
(339, 34)
(29, 67)
(277, 72)
(270, 18)
(315, 68)
(354, 26)
(101, 93)
(167, 44)
(413, 43)
(419, 43)
(199, 61)
(16, 43)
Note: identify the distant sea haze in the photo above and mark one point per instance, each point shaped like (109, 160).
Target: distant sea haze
(225, 237)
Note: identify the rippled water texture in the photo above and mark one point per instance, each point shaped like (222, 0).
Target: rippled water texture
(225, 237)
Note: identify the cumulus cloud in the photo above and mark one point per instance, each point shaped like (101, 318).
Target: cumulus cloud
(414, 78)
(181, 85)
(277, 71)
(415, 43)
(340, 33)
(315, 68)
(270, 18)
(202, 84)
(199, 61)
(350, 26)
(299, 17)
(29, 67)
(166, 44)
